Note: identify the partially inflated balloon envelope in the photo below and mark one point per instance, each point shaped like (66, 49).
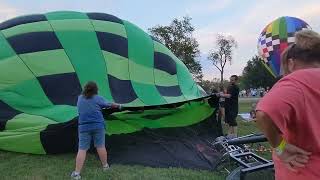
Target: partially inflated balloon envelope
(275, 38)
(45, 60)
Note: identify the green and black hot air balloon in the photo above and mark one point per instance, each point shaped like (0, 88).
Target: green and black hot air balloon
(45, 59)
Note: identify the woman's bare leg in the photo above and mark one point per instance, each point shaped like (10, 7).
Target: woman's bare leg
(81, 157)
(103, 155)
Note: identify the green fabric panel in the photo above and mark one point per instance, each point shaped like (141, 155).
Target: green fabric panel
(109, 27)
(24, 122)
(174, 99)
(200, 89)
(24, 97)
(117, 66)
(22, 134)
(26, 142)
(283, 28)
(27, 28)
(58, 113)
(13, 71)
(187, 85)
(148, 94)
(5, 49)
(141, 74)
(21, 90)
(184, 77)
(135, 103)
(122, 127)
(28, 97)
(72, 25)
(158, 47)
(164, 79)
(48, 62)
(140, 47)
(275, 29)
(62, 15)
(186, 115)
(83, 50)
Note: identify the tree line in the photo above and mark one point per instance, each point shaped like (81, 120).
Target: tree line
(178, 37)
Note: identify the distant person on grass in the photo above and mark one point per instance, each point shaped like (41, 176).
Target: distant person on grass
(231, 106)
(91, 126)
(289, 114)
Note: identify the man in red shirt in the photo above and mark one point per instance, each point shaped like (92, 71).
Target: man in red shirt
(289, 114)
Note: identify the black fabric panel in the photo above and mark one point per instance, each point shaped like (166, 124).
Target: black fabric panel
(169, 90)
(156, 116)
(165, 63)
(121, 90)
(3, 125)
(22, 20)
(60, 138)
(184, 147)
(113, 43)
(61, 88)
(34, 42)
(104, 17)
(6, 113)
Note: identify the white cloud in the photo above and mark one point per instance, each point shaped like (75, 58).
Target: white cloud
(310, 11)
(207, 7)
(7, 12)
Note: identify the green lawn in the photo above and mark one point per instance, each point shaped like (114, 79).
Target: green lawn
(38, 167)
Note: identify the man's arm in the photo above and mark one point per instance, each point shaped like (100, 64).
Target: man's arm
(234, 93)
(225, 95)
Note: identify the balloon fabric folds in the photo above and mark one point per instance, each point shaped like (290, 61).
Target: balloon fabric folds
(46, 59)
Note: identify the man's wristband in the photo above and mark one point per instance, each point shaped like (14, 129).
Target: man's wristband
(279, 150)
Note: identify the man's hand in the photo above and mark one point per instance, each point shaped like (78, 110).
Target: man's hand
(294, 157)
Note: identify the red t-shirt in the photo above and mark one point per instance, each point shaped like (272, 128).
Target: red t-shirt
(293, 104)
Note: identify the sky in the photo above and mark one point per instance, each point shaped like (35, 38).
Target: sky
(243, 19)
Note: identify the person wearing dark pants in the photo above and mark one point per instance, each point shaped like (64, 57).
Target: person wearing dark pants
(231, 106)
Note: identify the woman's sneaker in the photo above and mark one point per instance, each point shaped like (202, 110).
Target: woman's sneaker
(106, 167)
(75, 175)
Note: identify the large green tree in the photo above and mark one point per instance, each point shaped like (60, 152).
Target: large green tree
(178, 38)
(255, 75)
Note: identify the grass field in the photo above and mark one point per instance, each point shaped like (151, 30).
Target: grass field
(57, 167)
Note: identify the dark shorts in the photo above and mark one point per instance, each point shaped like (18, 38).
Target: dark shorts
(231, 118)
(85, 138)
